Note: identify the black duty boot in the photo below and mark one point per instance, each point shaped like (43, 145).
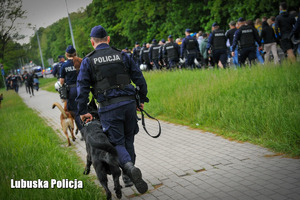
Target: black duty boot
(135, 176)
(126, 180)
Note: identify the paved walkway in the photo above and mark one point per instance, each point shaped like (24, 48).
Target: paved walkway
(192, 164)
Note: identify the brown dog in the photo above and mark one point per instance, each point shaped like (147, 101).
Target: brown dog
(66, 120)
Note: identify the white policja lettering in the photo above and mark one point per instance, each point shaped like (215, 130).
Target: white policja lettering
(105, 59)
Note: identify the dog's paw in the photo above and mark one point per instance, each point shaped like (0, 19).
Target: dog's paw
(119, 193)
(74, 138)
(86, 171)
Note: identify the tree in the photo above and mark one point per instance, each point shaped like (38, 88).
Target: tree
(129, 21)
(10, 11)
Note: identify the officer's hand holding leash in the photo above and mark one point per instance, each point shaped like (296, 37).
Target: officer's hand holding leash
(86, 117)
(140, 106)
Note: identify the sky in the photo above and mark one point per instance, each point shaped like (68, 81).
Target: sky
(42, 13)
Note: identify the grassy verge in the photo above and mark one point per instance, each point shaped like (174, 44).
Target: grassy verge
(31, 150)
(48, 84)
(259, 104)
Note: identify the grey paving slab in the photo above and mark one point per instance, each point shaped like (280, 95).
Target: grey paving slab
(192, 164)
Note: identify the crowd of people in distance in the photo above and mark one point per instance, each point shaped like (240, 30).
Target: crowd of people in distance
(245, 42)
(30, 80)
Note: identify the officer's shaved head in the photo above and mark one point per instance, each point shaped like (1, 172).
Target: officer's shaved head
(232, 23)
(96, 41)
(99, 40)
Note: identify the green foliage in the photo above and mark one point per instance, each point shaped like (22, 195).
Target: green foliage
(31, 150)
(10, 11)
(14, 57)
(135, 20)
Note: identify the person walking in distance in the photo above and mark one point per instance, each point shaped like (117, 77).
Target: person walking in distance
(285, 22)
(189, 49)
(245, 37)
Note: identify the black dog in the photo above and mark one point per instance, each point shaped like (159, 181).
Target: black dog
(101, 153)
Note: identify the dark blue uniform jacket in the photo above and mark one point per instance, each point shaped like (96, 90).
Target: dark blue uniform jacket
(86, 79)
(68, 72)
(238, 34)
(184, 43)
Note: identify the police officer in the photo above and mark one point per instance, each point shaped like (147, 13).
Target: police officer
(144, 56)
(189, 49)
(245, 36)
(217, 42)
(15, 82)
(127, 51)
(285, 22)
(161, 57)
(110, 72)
(56, 68)
(154, 54)
(230, 35)
(171, 51)
(136, 54)
(68, 76)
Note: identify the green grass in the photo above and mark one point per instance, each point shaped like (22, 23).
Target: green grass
(48, 84)
(259, 104)
(31, 150)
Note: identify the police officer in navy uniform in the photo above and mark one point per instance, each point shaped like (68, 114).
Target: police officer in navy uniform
(68, 76)
(56, 68)
(154, 54)
(217, 42)
(127, 51)
(161, 57)
(15, 82)
(144, 56)
(189, 49)
(230, 35)
(110, 72)
(245, 37)
(136, 54)
(171, 51)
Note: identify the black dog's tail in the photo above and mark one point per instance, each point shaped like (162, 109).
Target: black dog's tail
(103, 146)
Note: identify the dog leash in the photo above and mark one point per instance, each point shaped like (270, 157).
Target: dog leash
(138, 103)
(144, 125)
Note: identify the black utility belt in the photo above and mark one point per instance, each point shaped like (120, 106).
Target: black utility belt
(116, 100)
(191, 52)
(247, 46)
(71, 86)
